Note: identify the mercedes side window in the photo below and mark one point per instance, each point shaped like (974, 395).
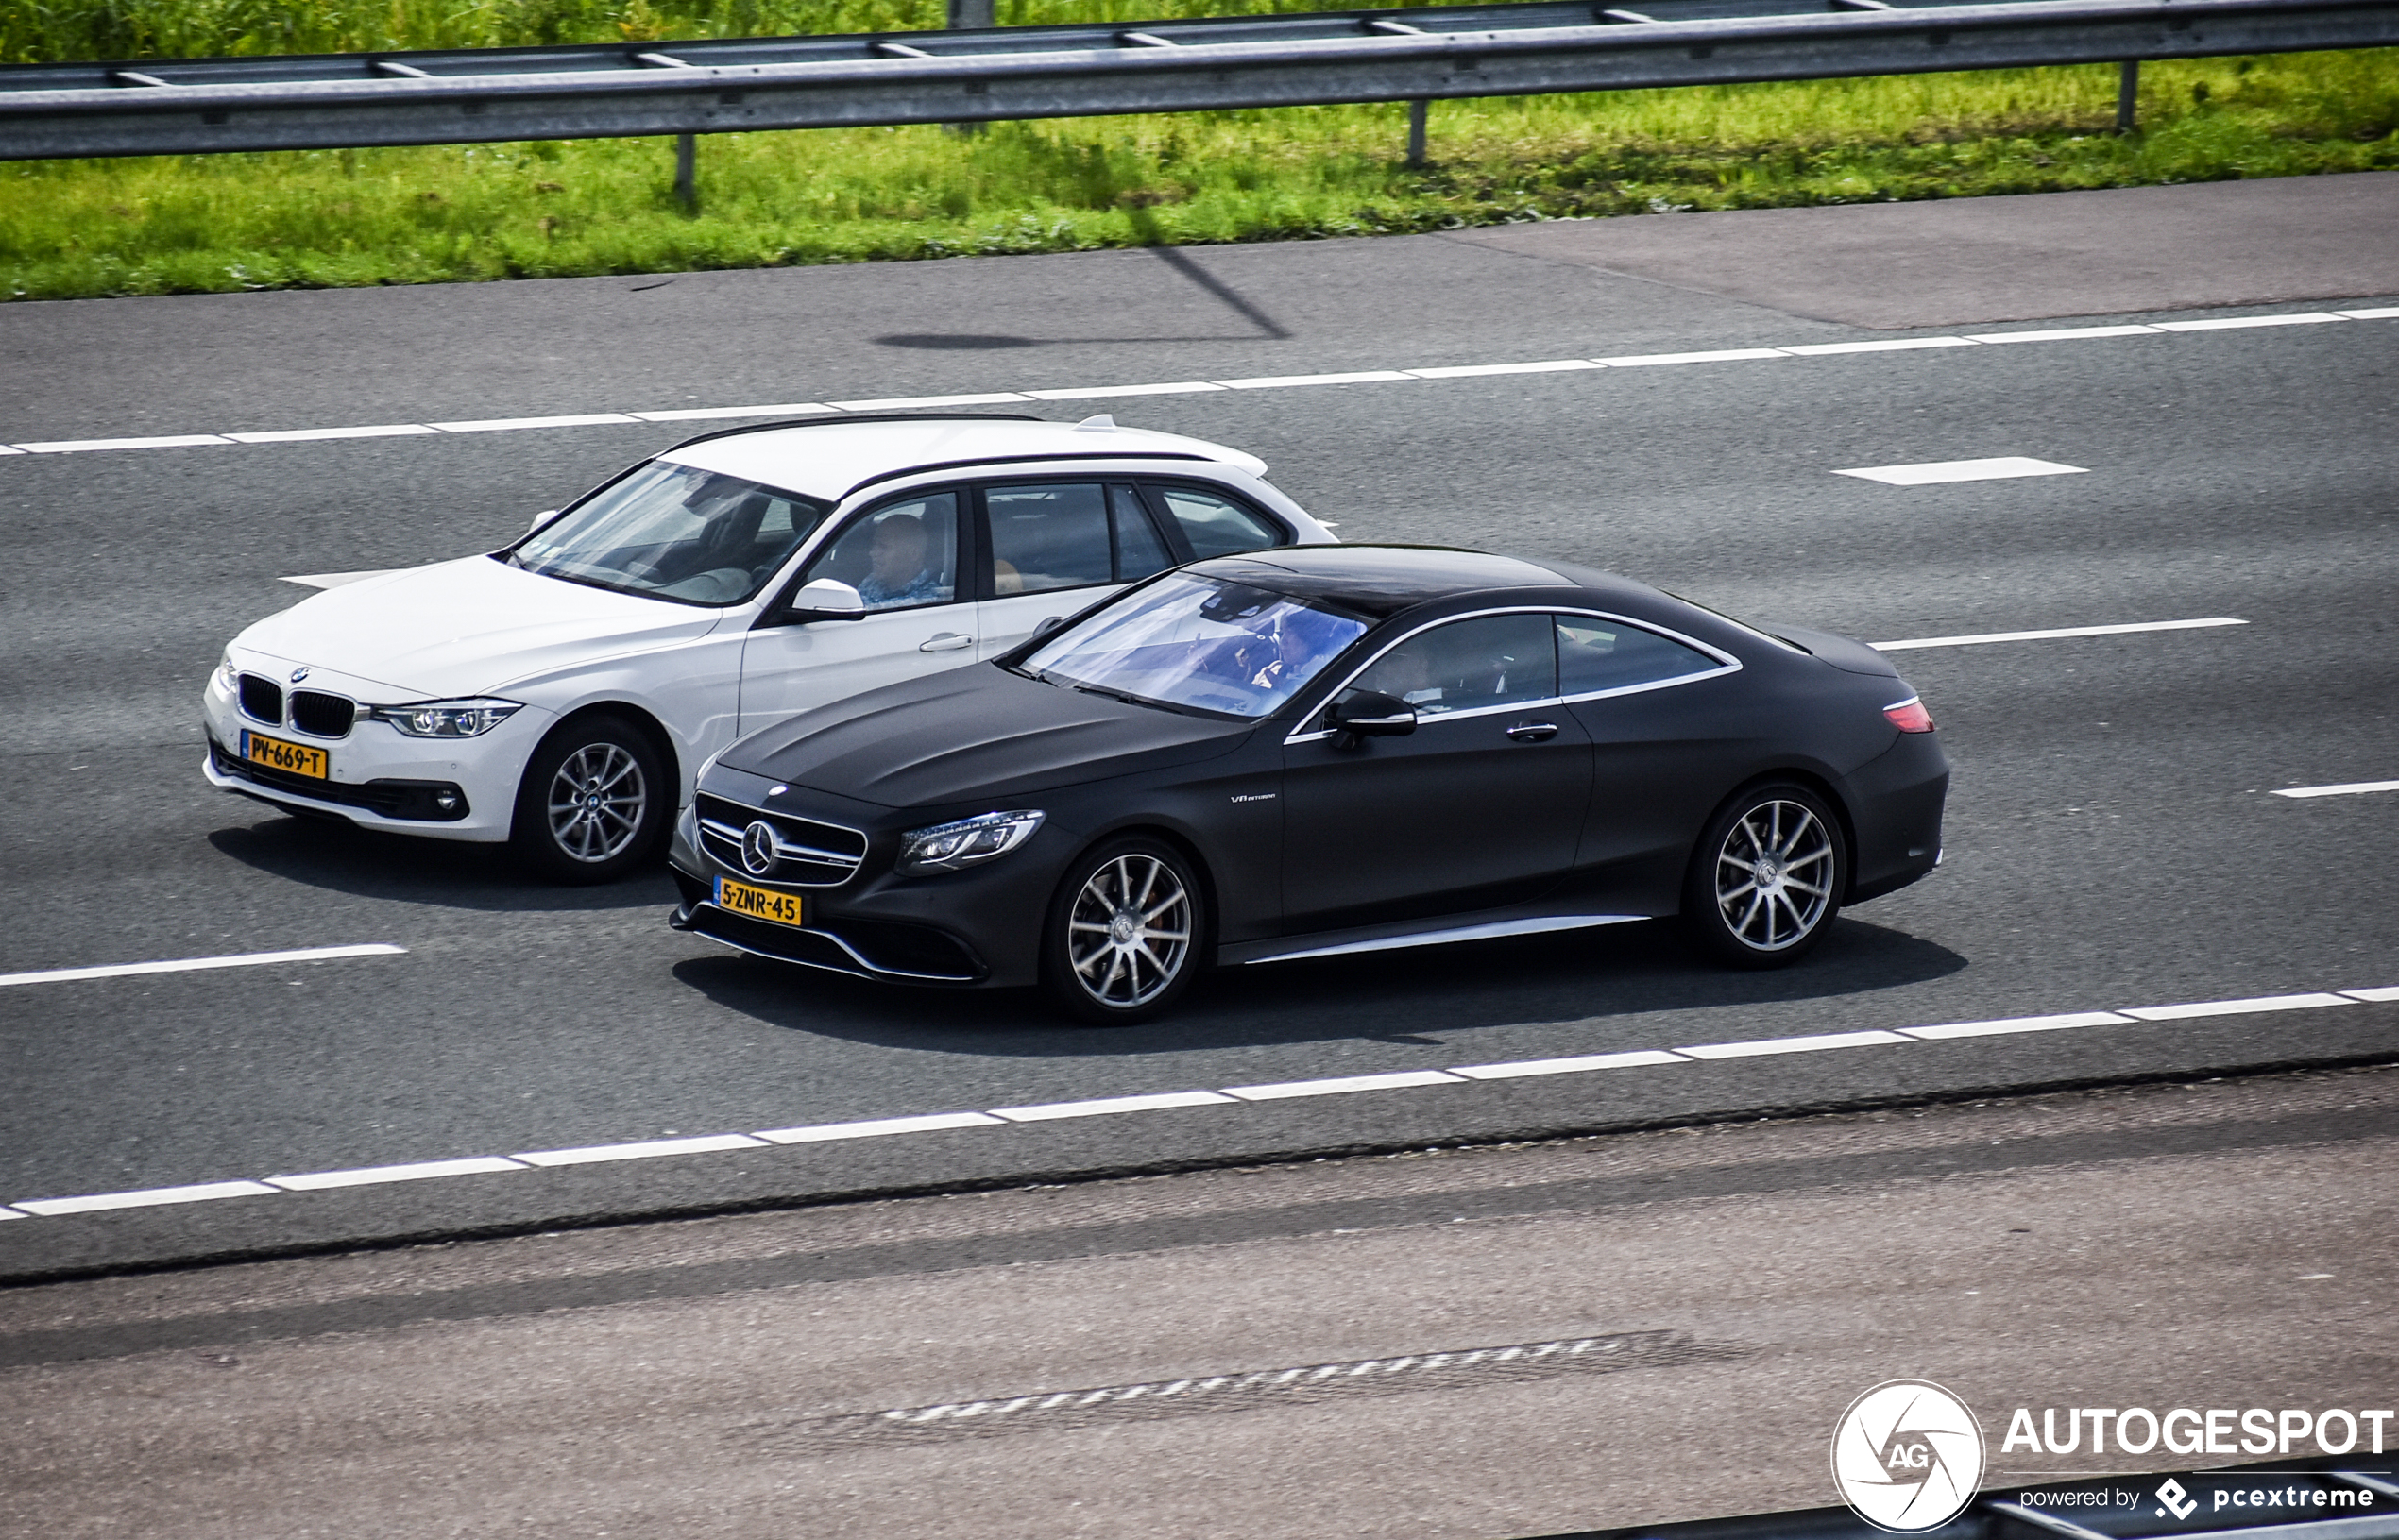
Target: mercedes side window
(1215, 525)
(1595, 654)
(899, 556)
(1494, 660)
(1053, 535)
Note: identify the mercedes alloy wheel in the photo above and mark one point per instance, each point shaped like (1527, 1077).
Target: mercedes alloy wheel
(1125, 931)
(1767, 877)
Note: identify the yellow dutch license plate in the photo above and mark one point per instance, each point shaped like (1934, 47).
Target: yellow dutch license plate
(758, 902)
(291, 758)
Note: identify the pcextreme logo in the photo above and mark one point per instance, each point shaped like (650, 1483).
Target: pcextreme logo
(1907, 1456)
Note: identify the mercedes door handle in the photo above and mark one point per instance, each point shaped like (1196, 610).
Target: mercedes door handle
(948, 641)
(1533, 732)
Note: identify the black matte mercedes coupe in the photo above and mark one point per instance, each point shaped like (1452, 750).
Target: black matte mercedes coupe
(1318, 751)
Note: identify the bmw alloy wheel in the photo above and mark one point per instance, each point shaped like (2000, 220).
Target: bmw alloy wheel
(596, 801)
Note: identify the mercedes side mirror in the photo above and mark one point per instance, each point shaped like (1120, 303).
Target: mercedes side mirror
(1372, 714)
(1048, 624)
(823, 598)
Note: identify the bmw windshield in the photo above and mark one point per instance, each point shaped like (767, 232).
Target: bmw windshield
(674, 532)
(1200, 644)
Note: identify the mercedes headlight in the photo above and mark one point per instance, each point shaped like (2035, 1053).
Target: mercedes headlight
(447, 718)
(969, 842)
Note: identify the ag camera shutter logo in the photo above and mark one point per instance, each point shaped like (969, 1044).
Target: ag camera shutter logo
(1907, 1456)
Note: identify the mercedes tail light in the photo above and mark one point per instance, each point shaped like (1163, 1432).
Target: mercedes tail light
(1909, 715)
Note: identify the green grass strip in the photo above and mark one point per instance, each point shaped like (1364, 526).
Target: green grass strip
(340, 218)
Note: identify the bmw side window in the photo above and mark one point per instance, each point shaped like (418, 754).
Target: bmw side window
(901, 555)
(1048, 536)
(1139, 549)
(1214, 525)
(1595, 654)
(1466, 665)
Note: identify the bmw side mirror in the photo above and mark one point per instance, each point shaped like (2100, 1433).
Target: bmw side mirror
(1372, 714)
(543, 518)
(823, 598)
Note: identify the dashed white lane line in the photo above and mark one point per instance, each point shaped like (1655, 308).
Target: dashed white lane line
(1231, 1095)
(2352, 789)
(901, 403)
(1981, 638)
(1938, 473)
(188, 965)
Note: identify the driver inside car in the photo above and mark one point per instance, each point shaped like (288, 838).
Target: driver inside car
(900, 574)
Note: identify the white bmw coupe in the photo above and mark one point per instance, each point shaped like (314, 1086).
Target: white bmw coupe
(562, 693)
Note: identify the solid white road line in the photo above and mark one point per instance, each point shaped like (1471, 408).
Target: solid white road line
(1717, 355)
(1982, 637)
(1567, 1066)
(2012, 1024)
(2070, 333)
(1286, 381)
(1341, 1085)
(1888, 345)
(1470, 371)
(2353, 788)
(1000, 1116)
(877, 1127)
(2236, 322)
(2235, 1008)
(1937, 472)
(305, 435)
(1104, 1106)
(647, 1149)
(332, 579)
(1080, 393)
(1789, 1045)
(148, 1197)
(189, 965)
(316, 1181)
(510, 424)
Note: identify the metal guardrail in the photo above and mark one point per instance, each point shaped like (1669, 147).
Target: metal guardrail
(467, 96)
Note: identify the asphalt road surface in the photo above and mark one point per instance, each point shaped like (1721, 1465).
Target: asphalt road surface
(2114, 842)
(1283, 1353)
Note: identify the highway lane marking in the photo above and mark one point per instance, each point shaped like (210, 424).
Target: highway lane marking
(1939, 472)
(333, 580)
(188, 965)
(2352, 789)
(1982, 637)
(901, 403)
(1231, 1095)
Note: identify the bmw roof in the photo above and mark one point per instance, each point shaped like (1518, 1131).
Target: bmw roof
(831, 458)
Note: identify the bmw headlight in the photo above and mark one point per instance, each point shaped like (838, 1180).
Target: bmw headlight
(447, 718)
(228, 677)
(969, 842)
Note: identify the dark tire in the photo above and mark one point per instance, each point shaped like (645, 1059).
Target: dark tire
(1125, 933)
(594, 803)
(1766, 877)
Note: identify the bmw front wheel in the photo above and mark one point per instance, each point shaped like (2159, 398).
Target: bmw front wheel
(593, 803)
(1124, 933)
(1767, 877)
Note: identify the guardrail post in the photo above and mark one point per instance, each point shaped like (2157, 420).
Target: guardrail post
(2128, 94)
(686, 172)
(1417, 110)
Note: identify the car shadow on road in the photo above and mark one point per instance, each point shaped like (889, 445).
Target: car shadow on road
(1399, 996)
(340, 858)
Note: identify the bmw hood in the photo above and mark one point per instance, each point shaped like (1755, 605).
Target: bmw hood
(975, 733)
(467, 627)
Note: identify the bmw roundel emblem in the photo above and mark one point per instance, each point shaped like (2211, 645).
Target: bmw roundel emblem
(300, 673)
(758, 848)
